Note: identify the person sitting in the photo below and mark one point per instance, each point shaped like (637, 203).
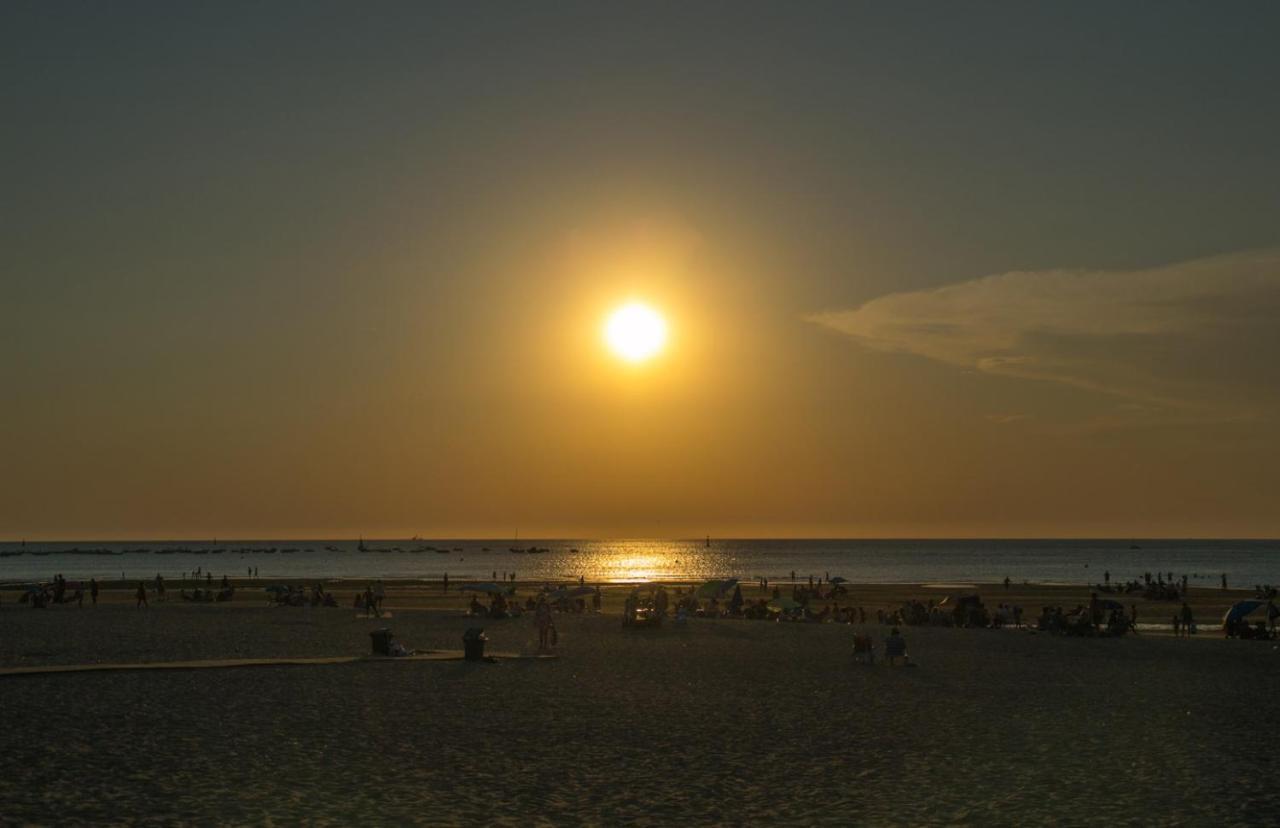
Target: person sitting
(895, 649)
(475, 607)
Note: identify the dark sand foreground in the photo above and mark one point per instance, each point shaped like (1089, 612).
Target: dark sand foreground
(720, 721)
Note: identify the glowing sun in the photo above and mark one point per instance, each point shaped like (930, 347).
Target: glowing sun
(635, 332)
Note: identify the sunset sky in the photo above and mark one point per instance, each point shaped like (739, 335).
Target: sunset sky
(927, 269)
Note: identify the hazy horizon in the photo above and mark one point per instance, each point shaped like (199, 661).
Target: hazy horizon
(927, 271)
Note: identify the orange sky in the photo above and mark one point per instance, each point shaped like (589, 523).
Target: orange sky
(270, 277)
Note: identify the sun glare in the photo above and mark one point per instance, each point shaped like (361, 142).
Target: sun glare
(635, 332)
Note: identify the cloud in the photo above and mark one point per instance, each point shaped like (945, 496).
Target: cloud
(1197, 339)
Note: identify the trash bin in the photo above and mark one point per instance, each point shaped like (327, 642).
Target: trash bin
(381, 641)
(473, 643)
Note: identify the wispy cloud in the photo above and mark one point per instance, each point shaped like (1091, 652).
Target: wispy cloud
(1198, 339)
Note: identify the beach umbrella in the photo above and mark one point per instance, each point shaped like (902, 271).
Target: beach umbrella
(578, 592)
(276, 588)
(1239, 610)
(839, 580)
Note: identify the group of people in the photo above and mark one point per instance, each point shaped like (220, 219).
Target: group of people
(1160, 586)
(1092, 620)
(895, 649)
(59, 591)
(370, 600)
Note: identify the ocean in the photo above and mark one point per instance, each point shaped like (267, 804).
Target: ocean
(1245, 562)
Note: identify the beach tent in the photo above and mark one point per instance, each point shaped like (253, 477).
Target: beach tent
(569, 593)
(490, 588)
(715, 589)
(1240, 609)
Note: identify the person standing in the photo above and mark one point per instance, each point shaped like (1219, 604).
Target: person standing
(1224, 581)
(446, 582)
(379, 593)
(142, 595)
(93, 590)
(542, 618)
(1188, 620)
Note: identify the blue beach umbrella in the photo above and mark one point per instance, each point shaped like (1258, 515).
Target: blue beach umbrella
(1239, 610)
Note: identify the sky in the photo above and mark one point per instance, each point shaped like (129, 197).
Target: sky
(929, 269)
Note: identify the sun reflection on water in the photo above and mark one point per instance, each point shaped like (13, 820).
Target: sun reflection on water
(627, 561)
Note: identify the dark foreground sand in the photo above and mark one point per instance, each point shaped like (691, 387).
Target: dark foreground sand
(726, 722)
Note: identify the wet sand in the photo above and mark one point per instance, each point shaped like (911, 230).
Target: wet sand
(715, 722)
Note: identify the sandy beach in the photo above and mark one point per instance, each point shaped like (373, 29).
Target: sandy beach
(717, 721)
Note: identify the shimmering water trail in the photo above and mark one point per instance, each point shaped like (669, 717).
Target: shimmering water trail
(869, 561)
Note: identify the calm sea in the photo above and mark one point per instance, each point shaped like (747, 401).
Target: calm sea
(876, 561)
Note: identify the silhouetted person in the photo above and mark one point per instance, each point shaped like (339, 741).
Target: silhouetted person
(446, 582)
(542, 618)
(93, 590)
(142, 595)
(1224, 580)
